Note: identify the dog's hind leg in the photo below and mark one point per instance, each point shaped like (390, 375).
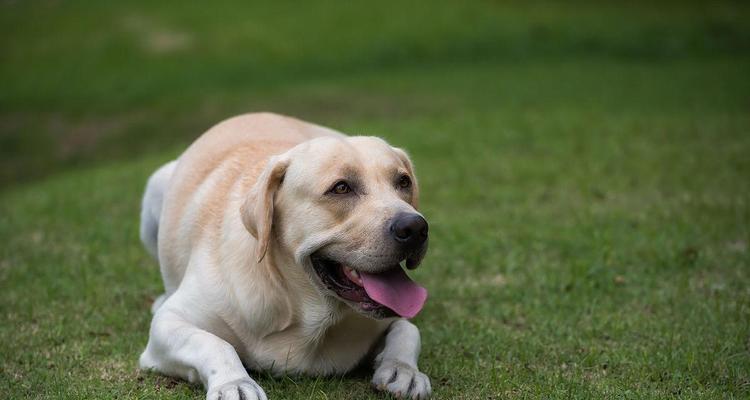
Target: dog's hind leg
(150, 214)
(151, 207)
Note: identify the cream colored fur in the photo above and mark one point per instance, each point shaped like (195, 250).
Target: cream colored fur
(233, 223)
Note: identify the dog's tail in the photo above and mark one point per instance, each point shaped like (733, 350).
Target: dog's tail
(151, 206)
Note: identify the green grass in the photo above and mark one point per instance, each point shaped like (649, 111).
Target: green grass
(584, 168)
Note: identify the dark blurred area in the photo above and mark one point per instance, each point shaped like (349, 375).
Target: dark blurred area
(92, 82)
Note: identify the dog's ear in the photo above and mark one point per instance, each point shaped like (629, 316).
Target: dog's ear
(410, 168)
(257, 211)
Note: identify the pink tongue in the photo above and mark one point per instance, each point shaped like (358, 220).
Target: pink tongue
(396, 291)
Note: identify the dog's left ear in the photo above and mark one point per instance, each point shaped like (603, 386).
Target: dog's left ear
(410, 168)
(257, 211)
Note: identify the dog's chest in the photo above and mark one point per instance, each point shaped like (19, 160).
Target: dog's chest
(318, 349)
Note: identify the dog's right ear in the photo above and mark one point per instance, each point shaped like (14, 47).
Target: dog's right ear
(257, 210)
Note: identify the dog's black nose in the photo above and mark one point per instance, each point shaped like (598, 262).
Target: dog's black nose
(409, 229)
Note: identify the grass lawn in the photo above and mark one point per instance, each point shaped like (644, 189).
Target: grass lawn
(585, 169)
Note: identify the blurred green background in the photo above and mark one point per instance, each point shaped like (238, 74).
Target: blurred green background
(584, 166)
(85, 82)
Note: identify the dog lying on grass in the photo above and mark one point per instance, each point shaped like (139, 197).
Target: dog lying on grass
(280, 244)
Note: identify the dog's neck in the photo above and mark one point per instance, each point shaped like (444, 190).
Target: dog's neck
(307, 307)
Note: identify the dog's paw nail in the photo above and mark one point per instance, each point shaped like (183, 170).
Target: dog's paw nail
(242, 389)
(402, 381)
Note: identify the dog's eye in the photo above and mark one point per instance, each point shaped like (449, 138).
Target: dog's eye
(404, 182)
(341, 187)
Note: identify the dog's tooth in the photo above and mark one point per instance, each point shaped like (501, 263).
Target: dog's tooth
(355, 274)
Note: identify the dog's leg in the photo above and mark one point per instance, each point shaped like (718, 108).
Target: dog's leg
(153, 199)
(396, 366)
(180, 349)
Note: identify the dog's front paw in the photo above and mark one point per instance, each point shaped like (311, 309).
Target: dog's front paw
(401, 381)
(241, 389)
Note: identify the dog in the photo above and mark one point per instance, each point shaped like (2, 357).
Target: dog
(280, 245)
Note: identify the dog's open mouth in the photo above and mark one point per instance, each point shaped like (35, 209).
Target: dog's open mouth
(387, 293)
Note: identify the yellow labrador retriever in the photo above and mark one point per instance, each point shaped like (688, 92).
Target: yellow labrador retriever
(280, 244)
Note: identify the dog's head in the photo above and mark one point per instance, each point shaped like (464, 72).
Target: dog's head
(346, 210)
